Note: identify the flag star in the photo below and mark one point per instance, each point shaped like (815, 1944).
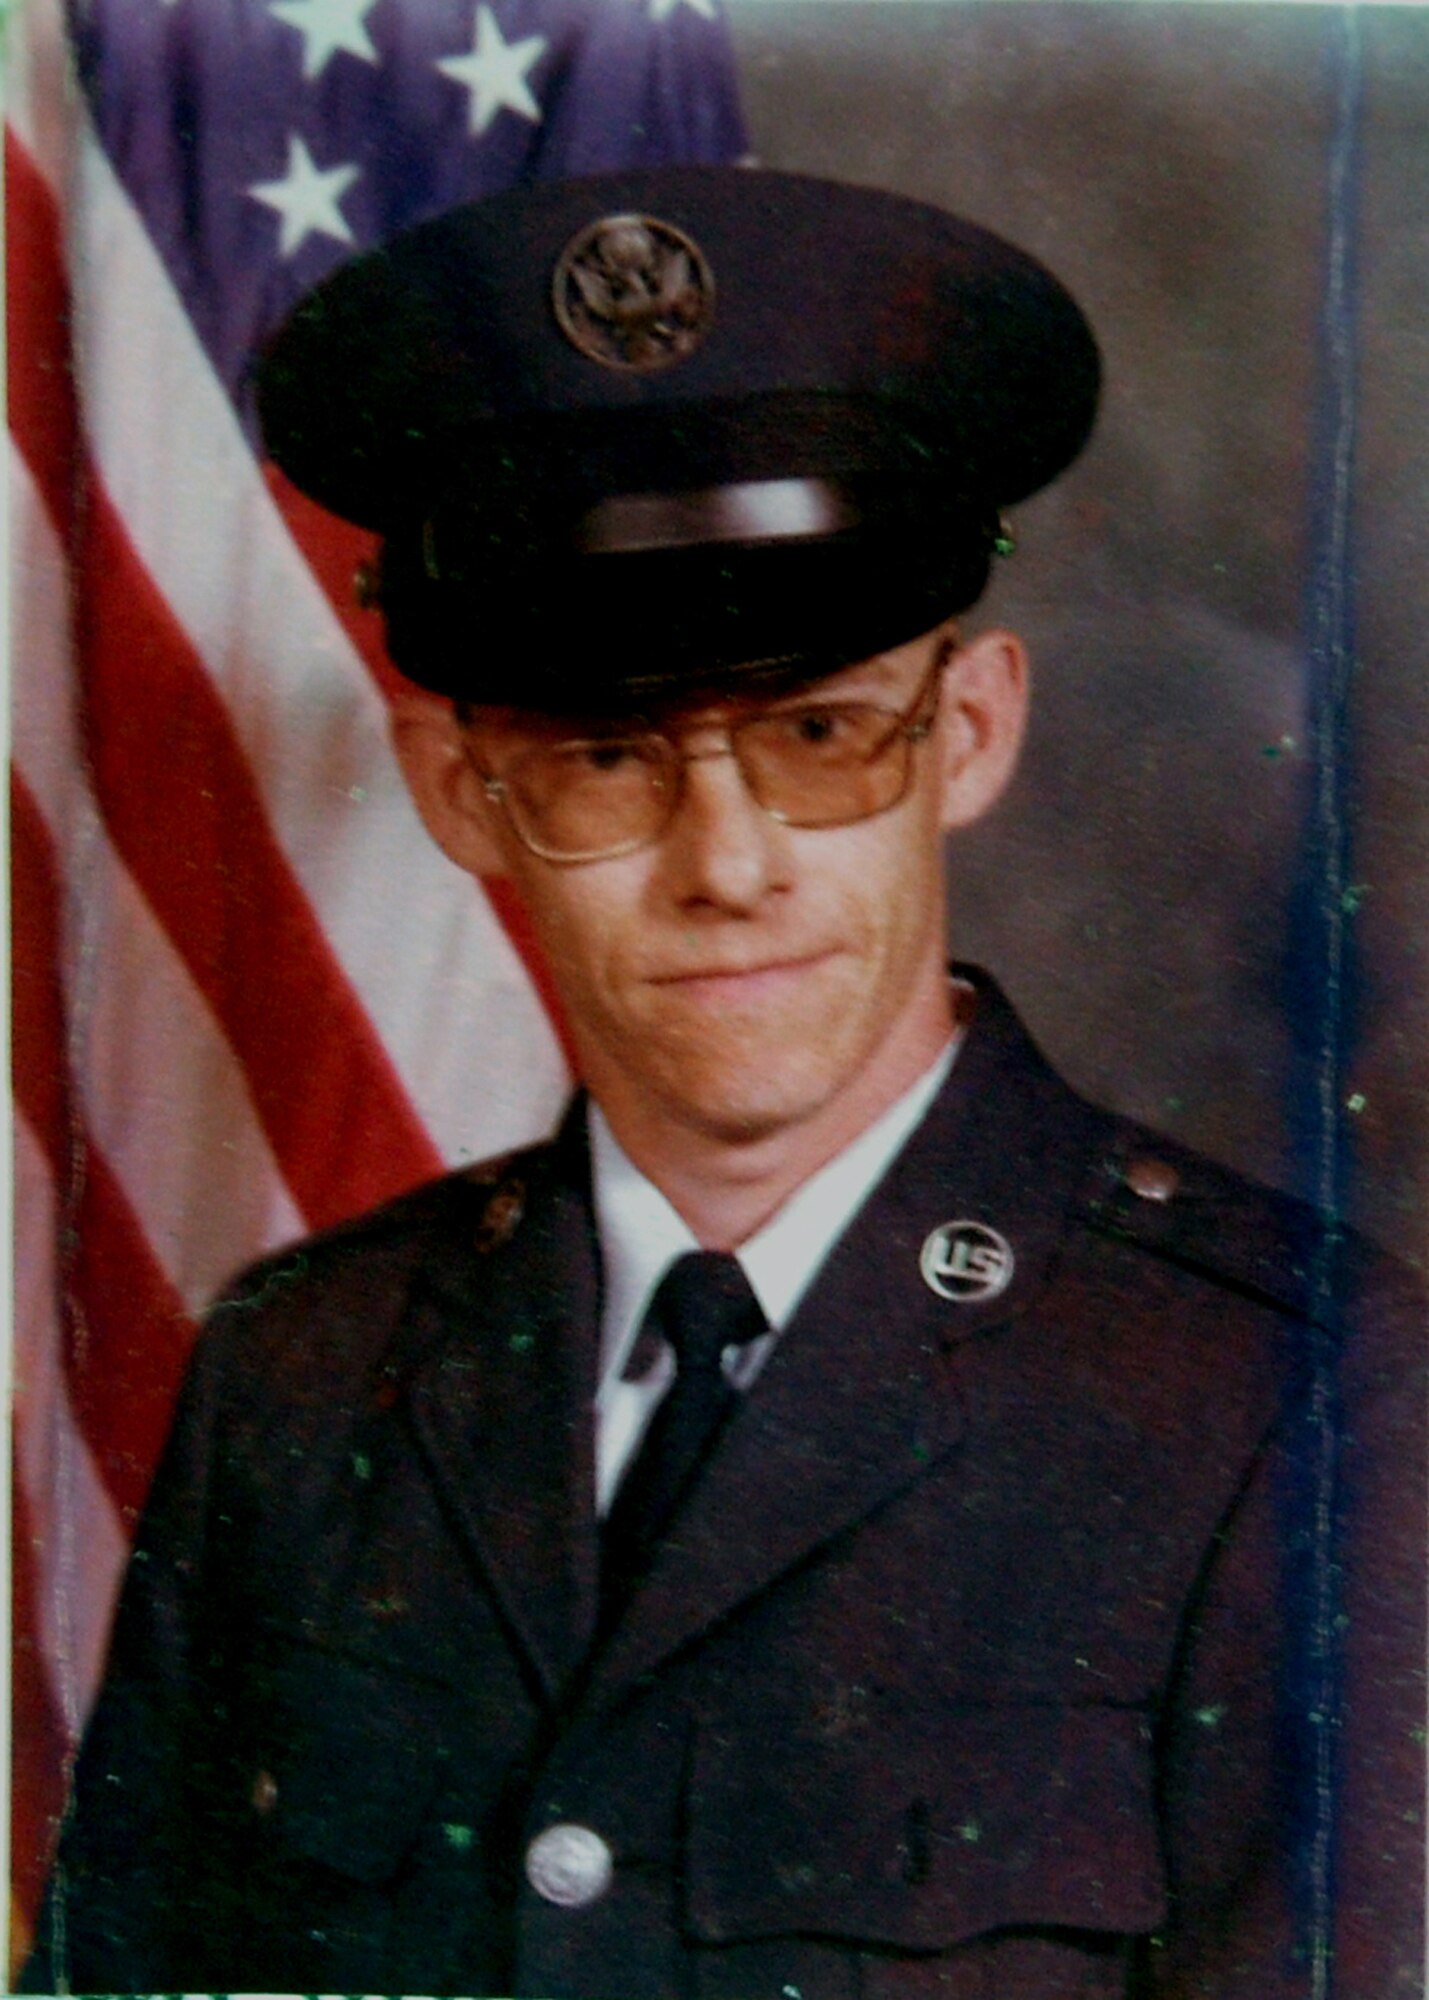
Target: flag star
(495, 72)
(327, 26)
(661, 10)
(307, 198)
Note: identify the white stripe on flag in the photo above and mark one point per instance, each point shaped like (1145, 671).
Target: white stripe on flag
(39, 85)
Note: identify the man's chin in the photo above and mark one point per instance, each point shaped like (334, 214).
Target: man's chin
(745, 1117)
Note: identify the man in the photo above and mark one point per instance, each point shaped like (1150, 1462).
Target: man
(1002, 1575)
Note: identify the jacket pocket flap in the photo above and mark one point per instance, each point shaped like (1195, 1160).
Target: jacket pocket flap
(344, 1760)
(920, 1834)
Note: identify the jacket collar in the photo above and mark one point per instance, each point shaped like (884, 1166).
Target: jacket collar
(502, 1403)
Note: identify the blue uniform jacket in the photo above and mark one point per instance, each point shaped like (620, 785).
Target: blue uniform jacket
(1066, 1642)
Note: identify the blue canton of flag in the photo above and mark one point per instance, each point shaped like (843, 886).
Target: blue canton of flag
(263, 141)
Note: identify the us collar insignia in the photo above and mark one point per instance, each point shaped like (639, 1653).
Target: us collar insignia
(966, 1262)
(634, 293)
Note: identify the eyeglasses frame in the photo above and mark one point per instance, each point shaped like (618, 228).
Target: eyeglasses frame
(911, 725)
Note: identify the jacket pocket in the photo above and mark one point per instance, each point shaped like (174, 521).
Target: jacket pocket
(919, 1832)
(340, 1761)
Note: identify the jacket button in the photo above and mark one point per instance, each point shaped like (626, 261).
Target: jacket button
(264, 1795)
(1152, 1179)
(569, 1865)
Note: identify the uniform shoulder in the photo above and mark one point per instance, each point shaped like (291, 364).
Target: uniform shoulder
(338, 1295)
(397, 1230)
(1148, 1191)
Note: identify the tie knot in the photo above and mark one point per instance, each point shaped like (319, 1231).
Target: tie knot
(704, 1305)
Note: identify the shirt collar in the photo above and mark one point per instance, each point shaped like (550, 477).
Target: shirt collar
(641, 1234)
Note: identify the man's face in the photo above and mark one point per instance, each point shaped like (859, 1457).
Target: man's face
(738, 975)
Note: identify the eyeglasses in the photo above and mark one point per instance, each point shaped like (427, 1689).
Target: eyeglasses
(811, 763)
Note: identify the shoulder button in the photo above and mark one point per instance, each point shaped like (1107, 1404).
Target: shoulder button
(1151, 1179)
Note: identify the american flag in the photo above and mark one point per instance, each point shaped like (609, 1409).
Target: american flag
(250, 997)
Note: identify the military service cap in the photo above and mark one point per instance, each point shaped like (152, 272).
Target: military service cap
(676, 428)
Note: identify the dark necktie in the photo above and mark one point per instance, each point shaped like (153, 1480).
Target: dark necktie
(702, 1306)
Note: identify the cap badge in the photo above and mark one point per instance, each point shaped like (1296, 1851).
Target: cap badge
(633, 292)
(966, 1262)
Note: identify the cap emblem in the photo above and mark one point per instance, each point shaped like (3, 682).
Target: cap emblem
(633, 292)
(966, 1262)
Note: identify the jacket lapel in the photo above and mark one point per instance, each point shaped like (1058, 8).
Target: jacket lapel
(860, 1399)
(503, 1403)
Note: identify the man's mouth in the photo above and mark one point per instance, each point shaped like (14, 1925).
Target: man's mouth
(742, 981)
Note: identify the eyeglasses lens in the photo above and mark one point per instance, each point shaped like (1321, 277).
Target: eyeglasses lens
(824, 765)
(578, 799)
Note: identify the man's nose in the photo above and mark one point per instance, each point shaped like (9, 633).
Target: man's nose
(724, 849)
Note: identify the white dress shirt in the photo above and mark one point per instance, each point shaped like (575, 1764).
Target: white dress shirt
(641, 1235)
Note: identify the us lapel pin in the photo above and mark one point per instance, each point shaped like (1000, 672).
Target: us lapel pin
(967, 1262)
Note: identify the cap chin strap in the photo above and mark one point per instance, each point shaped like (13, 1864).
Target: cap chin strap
(748, 513)
(754, 510)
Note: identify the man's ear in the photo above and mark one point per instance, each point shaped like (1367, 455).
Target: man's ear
(446, 788)
(981, 723)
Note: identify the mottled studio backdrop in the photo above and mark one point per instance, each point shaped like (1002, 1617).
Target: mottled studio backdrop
(1138, 891)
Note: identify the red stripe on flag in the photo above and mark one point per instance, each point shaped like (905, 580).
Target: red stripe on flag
(40, 386)
(127, 1334)
(40, 1745)
(127, 1340)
